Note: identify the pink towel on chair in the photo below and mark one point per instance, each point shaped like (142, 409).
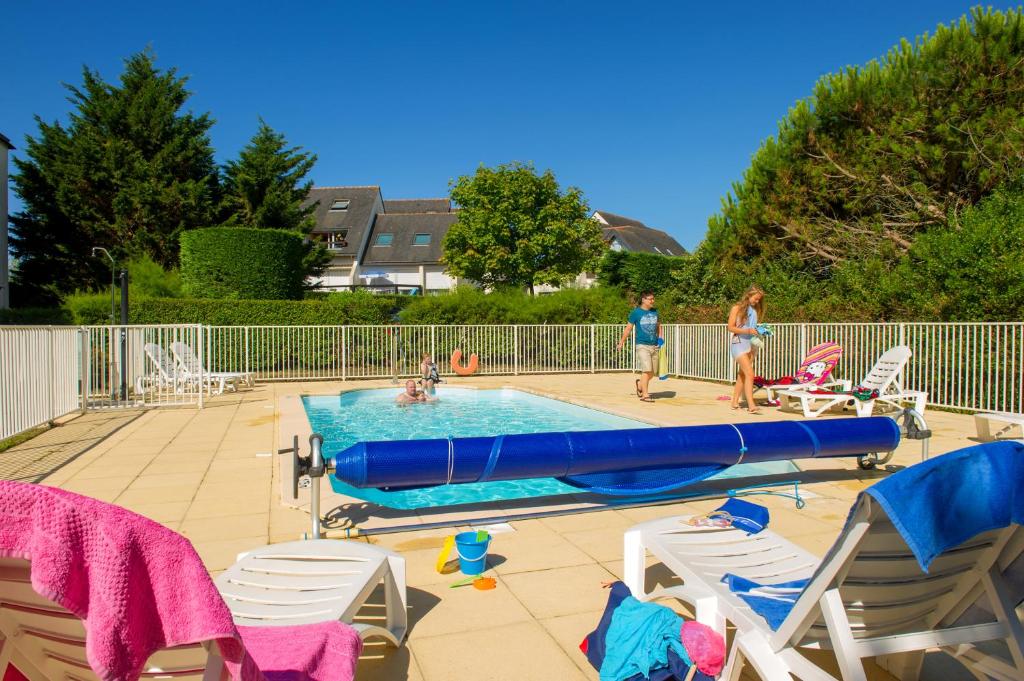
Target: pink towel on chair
(137, 586)
(327, 650)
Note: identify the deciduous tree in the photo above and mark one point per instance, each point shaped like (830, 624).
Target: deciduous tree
(518, 229)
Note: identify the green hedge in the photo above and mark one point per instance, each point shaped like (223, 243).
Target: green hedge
(472, 306)
(336, 309)
(244, 264)
(35, 316)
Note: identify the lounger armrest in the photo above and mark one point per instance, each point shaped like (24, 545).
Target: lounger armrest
(843, 384)
(685, 593)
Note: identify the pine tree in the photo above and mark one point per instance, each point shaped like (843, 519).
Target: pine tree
(130, 171)
(266, 186)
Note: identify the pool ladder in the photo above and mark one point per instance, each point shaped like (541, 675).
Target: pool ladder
(315, 466)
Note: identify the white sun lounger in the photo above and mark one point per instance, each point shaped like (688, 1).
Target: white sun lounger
(883, 377)
(166, 374)
(1007, 421)
(194, 370)
(868, 598)
(315, 580)
(45, 641)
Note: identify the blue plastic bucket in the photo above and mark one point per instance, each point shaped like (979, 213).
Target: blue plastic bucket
(472, 553)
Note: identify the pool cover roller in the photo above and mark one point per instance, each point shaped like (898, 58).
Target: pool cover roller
(624, 462)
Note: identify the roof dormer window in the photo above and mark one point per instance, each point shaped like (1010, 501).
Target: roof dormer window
(384, 239)
(339, 204)
(421, 240)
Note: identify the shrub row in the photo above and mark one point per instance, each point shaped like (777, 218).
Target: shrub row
(244, 264)
(471, 306)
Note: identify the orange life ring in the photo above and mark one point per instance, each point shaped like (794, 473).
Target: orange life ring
(474, 364)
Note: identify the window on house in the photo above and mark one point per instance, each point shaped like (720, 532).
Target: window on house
(669, 251)
(421, 240)
(336, 240)
(657, 250)
(340, 204)
(384, 239)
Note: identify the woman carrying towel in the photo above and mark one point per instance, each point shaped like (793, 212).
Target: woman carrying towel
(743, 344)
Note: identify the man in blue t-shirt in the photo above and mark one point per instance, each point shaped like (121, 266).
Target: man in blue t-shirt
(648, 330)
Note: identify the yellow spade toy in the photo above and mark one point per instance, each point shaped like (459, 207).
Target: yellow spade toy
(444, 566)
(662, 360)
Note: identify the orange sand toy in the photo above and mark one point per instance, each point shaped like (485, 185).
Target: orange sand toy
(474, 364)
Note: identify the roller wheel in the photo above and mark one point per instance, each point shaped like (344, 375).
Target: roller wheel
(870, 461)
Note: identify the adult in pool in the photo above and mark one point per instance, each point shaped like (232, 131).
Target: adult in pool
(411, 395)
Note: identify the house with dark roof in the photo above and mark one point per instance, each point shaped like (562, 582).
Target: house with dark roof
(397, 242)
(627, 234)
(5, 294)
(374, 242)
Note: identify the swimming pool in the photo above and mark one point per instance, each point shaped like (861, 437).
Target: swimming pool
(368, 415)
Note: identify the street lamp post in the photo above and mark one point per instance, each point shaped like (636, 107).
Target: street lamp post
(112, 266)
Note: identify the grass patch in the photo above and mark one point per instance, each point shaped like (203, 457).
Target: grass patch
(16, 440)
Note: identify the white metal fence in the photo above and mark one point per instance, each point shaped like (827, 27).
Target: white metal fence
(38, 375)
(46, 372)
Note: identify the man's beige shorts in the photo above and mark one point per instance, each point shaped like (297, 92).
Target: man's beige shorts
(647, 358)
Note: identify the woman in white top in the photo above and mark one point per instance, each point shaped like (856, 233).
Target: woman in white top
(743, 318)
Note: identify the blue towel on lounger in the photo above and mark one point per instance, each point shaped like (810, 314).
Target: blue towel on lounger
(935, 505)
(771, 601)
(943, 502)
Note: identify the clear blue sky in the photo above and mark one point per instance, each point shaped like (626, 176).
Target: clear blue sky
(653, 109)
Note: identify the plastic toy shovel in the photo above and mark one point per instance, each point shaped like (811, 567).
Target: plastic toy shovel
(446, 550)
(662, 360)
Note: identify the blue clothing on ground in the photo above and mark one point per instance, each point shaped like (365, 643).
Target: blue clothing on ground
(596, 645)
(639, 638)
(646, 324)
(942, 502)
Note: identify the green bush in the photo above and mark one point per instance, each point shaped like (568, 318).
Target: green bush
(469, 305)
(335, 309)
(637, 272)
(244, 264)
(35, 316)
(146, 278)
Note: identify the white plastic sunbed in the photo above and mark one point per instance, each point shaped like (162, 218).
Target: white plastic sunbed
(165, 375)
(45, 641)
(194, 370)
(315, 580)
(868, 598)
(1008, 421)
(883, 377)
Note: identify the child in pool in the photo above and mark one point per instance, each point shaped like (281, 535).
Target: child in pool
(429, 376)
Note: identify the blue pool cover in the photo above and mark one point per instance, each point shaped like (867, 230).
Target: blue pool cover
(632, 461)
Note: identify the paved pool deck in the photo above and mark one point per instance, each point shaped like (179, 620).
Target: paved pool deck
(214, 476)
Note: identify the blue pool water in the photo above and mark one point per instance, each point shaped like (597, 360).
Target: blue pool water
(367, 415)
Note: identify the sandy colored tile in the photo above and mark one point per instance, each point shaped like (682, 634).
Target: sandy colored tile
(568, 631)
(585, 521)
(601, 544)
(157, 480)
(514, 553)
(156, 495)
(562, 591)
(380, 662)
(165, 513)
(221, 554)
(523, 652)
(203, 530)
(438, 609)
(221, 508)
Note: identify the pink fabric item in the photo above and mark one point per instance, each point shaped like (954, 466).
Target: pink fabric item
(137, 586)
(326, 650)
(705, 646)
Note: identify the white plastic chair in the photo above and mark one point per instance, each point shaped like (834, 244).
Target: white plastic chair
(195, 371)
(868, 598)
(166, 374)
(1006, 421)
(315, 580)
(883, 377)
(45, 641)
